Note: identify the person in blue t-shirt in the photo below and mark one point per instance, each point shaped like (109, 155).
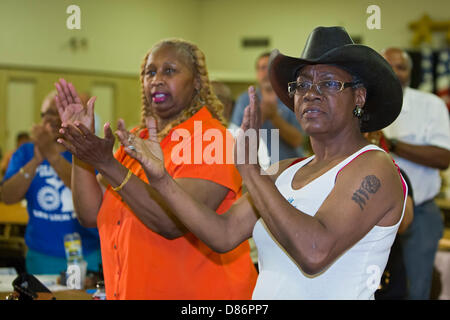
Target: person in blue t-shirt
(40, 172)
(275, 115)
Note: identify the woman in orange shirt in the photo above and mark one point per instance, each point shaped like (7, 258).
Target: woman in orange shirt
(147, 252)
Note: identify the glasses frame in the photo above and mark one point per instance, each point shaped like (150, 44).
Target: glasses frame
(342, 83)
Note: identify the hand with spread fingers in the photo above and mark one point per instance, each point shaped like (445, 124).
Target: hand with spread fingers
(247, 140)
(71, 108)
(86, 146)
(147, 151)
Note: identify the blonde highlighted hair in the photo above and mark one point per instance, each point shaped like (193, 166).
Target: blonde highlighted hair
(205, 96)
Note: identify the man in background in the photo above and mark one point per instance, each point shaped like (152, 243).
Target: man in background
(275, 115)
(419, 141)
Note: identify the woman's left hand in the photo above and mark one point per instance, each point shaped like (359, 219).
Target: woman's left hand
(147, 151)
(86, 146)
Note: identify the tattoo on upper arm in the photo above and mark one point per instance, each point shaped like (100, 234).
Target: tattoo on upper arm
(370, 185)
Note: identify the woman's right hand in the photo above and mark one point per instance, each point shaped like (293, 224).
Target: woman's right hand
(147, 151)
(87, 147)
(71, 108)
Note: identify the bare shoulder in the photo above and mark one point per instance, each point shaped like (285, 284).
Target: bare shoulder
(374, 161)
(277, 168)
(373, 174)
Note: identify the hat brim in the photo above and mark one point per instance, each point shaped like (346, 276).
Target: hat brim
(384, 92)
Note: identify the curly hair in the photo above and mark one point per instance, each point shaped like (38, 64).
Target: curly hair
(205, 96)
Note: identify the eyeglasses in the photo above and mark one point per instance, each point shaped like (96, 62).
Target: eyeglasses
(323, 87)
(49, 113)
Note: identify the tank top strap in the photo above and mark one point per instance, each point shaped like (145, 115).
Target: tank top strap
(288, 174)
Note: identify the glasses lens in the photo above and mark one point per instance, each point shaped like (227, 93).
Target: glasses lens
(291, 88)
(330, 86)
(301, 87)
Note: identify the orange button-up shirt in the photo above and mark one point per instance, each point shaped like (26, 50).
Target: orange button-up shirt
(140, 264)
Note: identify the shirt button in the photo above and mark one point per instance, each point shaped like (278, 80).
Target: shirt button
(118, 223)
(115, 247)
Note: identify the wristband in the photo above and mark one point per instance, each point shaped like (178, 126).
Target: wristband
(26, 175)
(124, 182)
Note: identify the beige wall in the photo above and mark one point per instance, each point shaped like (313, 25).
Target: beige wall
(125, 102)
(288, 22)
(118, 32)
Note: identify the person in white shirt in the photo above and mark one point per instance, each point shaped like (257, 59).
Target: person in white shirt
(419, 140)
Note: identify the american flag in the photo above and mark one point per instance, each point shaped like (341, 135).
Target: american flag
(427, 69)
(443, 76)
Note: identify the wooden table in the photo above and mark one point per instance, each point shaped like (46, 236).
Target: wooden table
(13, 214)
(61, 295)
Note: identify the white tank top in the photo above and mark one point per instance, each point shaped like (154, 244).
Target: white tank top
(356, 274)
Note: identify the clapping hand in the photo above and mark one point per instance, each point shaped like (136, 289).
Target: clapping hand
(71, 108)
(147, 151)
(86, 146)
(246, 147)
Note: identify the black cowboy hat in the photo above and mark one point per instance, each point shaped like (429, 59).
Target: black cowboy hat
(333, 45)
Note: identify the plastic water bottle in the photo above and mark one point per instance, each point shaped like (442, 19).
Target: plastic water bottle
(76, 266)
(72, 244)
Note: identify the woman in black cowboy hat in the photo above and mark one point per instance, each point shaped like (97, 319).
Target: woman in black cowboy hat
(323, 225)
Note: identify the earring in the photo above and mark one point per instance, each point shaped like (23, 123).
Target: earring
(358, 112)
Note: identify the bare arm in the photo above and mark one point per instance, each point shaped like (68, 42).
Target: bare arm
(221, 233)
(269, 107)
(86, 192)
(15, 188)
(290, 134)
(430, 156)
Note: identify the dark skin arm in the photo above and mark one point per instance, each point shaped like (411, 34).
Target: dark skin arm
(269, 107)
(430, 156)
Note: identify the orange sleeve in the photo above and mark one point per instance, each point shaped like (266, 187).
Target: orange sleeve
(221, 172)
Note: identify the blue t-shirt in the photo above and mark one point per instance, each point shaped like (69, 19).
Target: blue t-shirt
(285, 150)
(50, 208)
